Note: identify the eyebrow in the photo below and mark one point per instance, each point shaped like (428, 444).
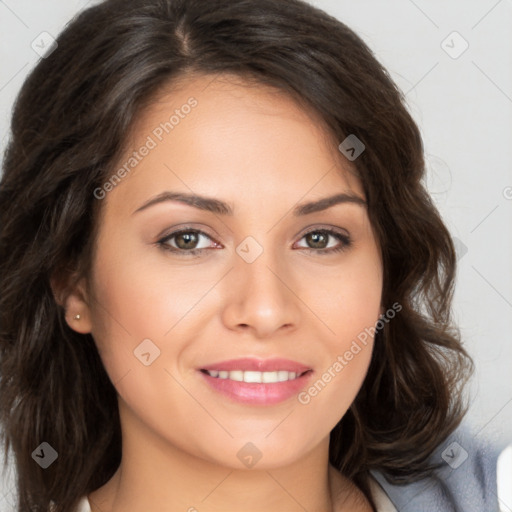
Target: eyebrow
(216, 206)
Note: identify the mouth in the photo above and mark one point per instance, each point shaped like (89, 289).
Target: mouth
(257, 382)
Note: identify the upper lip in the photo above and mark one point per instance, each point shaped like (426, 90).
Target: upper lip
(258, 365)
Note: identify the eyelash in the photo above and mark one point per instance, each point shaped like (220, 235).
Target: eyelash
(345, 240)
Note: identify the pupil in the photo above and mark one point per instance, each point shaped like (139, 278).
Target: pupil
(316, 237)
(190, 240)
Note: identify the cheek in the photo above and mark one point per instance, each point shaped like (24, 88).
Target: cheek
(351, 314)
(348, 301)
(334, 388)
(346, 297)
(136, 299)
(142, 298)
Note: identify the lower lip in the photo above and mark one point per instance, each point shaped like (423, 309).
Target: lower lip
(256, 393)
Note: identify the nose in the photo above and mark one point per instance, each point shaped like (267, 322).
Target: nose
(260, 297)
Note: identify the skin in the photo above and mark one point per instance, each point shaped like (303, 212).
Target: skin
(257, 150)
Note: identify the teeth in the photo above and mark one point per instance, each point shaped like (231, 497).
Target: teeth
(252, 376)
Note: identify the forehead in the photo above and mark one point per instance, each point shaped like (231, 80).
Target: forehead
(204, 132)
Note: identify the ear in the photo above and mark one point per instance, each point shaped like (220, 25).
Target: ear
(72, 296)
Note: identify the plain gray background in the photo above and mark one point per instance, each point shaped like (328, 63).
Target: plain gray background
(462, 101)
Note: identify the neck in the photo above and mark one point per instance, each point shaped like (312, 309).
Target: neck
(155, 475)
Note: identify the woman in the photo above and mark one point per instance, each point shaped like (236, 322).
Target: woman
(223, 285)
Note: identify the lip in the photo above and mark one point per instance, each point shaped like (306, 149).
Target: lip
(253, 393)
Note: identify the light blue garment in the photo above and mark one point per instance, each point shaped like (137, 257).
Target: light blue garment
(466, 482)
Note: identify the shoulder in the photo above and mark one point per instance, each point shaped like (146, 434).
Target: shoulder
(347, 496)
(464, 480)
(380, 498)
(83, 505)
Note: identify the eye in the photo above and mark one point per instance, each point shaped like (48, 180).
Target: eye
(319, 241)
(191, 242)
(186, 241)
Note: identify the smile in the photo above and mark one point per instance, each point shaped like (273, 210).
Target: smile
(256, 388)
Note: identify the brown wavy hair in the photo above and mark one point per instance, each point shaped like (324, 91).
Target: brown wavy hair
(69, 125)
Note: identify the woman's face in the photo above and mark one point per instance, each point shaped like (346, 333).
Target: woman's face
(253, 275)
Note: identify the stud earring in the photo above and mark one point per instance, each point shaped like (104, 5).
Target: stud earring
(77, 317)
